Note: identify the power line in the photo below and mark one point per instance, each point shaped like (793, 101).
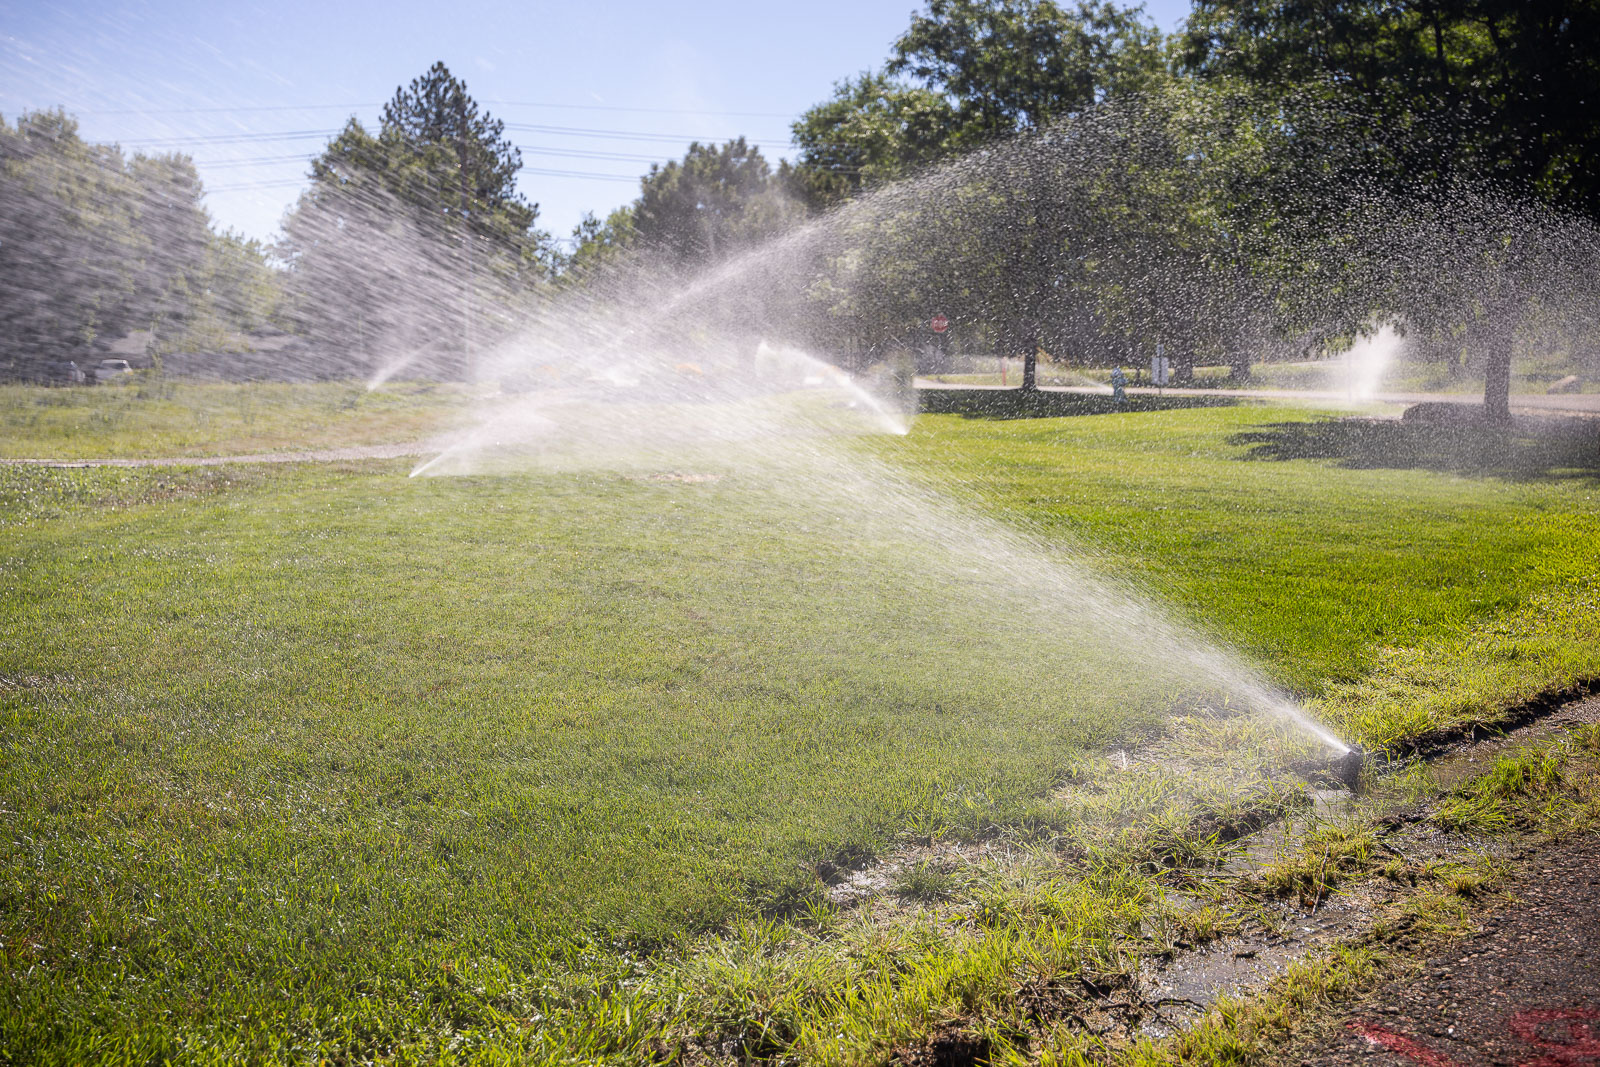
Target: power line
(233, 138)
(257, 108)
(558, 131)
(601, 133)
(302, 157)
(526, 149)
(648, 110)
(217, 110)
(273, 183)
(629, 135)
(580, 153)
(543, 172)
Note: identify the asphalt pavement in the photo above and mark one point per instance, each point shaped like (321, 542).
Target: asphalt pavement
(1524, 991)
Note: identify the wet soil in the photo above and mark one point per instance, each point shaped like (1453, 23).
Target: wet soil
(1182, 988)
(1524, 990)
(1192, 980)
(1184, 985)
(1468, 759)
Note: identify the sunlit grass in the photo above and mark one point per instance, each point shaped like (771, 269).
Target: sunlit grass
(329, 759)
(153, 417)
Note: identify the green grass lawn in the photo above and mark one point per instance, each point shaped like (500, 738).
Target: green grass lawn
(320, 760)
(158, 418)
(1313, 569)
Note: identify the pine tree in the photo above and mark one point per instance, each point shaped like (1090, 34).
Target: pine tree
(436, 124)
(415, 239)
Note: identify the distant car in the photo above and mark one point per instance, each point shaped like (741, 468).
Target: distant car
(112, 370)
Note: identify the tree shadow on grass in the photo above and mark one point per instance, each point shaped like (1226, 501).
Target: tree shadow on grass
(1049, 404)
(1527, 449)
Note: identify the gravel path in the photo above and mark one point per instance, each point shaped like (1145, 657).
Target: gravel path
(1524, 991)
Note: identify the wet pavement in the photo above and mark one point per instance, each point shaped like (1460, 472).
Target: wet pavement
(1523, 991)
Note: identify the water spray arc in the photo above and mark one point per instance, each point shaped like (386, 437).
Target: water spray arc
(767, 366)
(782, 426)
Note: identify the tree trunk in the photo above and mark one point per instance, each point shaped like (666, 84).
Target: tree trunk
(1239, 364)
(1183, 368)
(1497, 377)
(1030, 365)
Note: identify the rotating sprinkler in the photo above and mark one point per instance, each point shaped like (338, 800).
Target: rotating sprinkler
(1341, 768)
(1347, 767)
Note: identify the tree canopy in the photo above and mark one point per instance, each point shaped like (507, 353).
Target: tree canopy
(413, 244)
(95, 244)
(717, 199)
(1275, 178)
(965, 73)
(1500, 89)
(445, 146)
(1012, 65)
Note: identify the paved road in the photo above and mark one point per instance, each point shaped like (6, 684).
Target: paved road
(1524, 991)
(1569, 403)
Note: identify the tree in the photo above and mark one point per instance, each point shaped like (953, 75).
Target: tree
(427, 206)
(597, 243)
(874, 130)
(1503, 89)
(1015, 65)
(968, 74)
(1142, 220)
(235, 292)
(965, 73)
(69, 238)
(96, 244)
(176, 239)
(714, 202)
(447, 147)
(1469, 98)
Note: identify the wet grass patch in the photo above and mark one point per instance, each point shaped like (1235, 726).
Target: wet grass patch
(1528, 448)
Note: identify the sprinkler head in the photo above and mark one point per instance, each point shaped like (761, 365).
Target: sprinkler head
(1343, 769)
(1347, 768)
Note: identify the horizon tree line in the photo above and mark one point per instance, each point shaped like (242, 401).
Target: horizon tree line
(412, 241)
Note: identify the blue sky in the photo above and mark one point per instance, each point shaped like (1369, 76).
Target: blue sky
(598, 90)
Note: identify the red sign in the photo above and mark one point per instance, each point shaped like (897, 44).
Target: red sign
(940, 324)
